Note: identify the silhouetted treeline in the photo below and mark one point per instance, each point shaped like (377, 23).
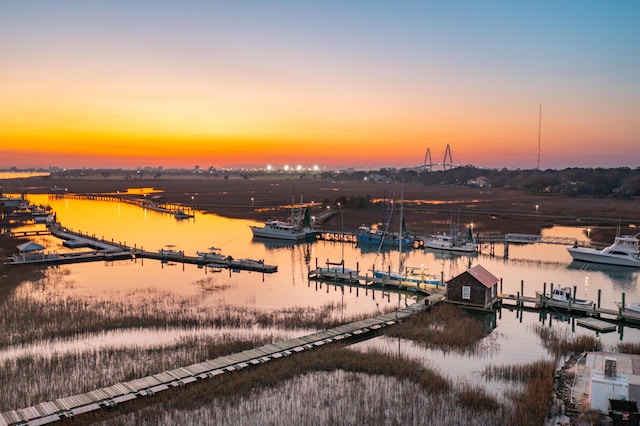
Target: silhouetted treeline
(622, 182)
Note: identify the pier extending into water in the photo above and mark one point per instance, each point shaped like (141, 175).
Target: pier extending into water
(71, 406)
(104, 250)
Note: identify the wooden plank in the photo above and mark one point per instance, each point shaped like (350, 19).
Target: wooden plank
(11, 417)
(28, 413)
(46, 408)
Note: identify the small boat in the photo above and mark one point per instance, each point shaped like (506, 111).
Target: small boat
(181, 214)
(246, 264)
(563, 295)
(630, 306)
(213, 256)
(337, 273)
(411, 275)
(297, 227)
(170, 251)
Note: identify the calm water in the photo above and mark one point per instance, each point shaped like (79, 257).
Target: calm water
(511, 341)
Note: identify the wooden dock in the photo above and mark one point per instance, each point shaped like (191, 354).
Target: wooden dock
(104, 250)
(51, 411)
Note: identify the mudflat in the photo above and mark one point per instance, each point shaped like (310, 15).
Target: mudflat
(427, 208)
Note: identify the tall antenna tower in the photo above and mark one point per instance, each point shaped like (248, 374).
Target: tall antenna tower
(539, 132)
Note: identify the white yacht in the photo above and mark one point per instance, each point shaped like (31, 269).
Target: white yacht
(623, 252)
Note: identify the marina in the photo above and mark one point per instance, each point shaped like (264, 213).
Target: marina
(349, 285)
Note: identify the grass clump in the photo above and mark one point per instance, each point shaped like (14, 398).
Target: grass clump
(628, 348)
(562, 344)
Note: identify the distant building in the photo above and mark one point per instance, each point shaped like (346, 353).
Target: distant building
(480, 181)
(474, 288)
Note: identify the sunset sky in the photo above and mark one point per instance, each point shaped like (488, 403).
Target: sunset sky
(357, 84)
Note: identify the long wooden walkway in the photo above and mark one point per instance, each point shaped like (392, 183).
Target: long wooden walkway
(51, 411)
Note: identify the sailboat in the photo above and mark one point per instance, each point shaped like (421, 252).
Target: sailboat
(406, 274)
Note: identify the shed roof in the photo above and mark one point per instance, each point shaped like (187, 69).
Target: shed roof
(485, 277)
(29, 246)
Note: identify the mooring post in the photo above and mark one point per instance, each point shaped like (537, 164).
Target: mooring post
(623, 297)
(599, 294)
(357, 269)
(518, 299)
(522, 287)
(575, 290)
(501, 286)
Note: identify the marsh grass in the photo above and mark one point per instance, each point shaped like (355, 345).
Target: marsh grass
(445, 327)
(628, 348)
(329, 385)
(562, 343)
(57, 375)
(37, 311)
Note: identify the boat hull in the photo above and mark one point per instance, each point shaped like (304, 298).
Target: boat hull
(280, 235)
(595, 256)
(436, 245)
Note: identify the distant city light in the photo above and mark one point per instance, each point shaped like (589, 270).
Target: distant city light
(286, 168)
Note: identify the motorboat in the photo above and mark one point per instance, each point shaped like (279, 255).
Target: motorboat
(413, 275)
(624, 251)
(181, 214)
(297, 227)
(563, 295)
(213, 256)
(630, 306)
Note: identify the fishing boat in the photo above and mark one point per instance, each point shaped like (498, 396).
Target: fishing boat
(213, 256)
(380, 236)
(375, 235)
(297, 227)
(563, 295)
(625, 251)
(463, 242)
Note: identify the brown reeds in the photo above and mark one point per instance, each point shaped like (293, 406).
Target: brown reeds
(444, 327)
(564, 344)
(628, 348)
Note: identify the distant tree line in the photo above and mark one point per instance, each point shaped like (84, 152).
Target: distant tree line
(622, 182)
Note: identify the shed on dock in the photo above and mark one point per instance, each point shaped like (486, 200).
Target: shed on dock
(29, 250)
(476, 288)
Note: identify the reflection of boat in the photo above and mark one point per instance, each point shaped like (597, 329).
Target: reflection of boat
(623, 252)
(213, 256)
(456, 241)
(297, 227)
(563, 295)
(181, 214)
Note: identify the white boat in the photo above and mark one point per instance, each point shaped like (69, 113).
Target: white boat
(454, 241)
(213, 256)
(170, 252)
(563, 295)
(297, 227)
(630, 306)
(624, 251)
(411, 275)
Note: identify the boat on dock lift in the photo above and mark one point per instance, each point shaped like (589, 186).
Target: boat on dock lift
(181, 215)
(214, 255)
(563, 295)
